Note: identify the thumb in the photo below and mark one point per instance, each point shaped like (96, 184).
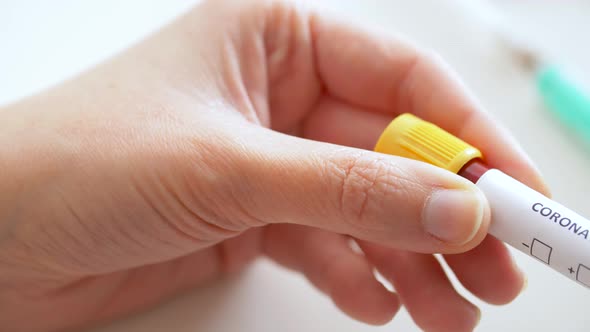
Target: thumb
(385, 199)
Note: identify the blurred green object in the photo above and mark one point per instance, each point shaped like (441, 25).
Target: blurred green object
(565, 99)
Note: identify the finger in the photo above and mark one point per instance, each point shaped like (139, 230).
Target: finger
(338, 122)
(424, 289)
(488, 271)
(332, 266)
(394, 76)
(385, 199)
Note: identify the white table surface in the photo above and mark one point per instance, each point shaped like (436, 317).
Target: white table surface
(43, 42)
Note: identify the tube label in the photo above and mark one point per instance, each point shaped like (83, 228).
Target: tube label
(538, 226)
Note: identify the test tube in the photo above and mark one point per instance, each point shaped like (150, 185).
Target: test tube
(523, 218)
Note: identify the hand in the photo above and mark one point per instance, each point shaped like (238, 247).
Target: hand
(243, 130)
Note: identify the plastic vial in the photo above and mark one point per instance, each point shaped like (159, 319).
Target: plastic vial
(521, 217)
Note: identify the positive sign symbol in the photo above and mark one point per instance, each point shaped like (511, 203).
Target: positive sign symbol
(541, 251)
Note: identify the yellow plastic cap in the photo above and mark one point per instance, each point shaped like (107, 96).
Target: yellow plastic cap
(411, 137)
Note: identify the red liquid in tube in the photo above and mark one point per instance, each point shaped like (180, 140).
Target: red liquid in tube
(474, 170)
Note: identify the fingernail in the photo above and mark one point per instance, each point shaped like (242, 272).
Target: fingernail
(454, 216)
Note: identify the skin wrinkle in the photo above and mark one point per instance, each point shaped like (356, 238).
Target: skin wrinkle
(284, 60)
(260, 101)
(43, 250)
(11, 259)
(134, 234)
(237, 178)
(189, 218)
(355, 204)
(133, 225)
(331, 166)
(368, 174)
(322, 90)
(246, 104)
(367, 190)
(191, 238)
(70, 233)
(194, 224)
(134, 229)
(252, 51)
(250, 220)
(206, 211)
(238, 183)
(8, 226)
(359, 166)
(191, 183)
(233, 79)
(123, 228)
(118, 227)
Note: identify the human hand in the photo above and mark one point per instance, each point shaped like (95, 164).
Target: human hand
(238, 131)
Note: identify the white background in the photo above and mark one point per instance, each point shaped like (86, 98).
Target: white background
(44, 42)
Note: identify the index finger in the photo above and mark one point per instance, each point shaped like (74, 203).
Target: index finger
(392, 76)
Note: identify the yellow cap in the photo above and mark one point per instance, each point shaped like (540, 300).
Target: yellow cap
(410, 137)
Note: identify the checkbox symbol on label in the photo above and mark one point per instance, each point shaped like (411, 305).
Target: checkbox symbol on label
(583, 275)
(541, 251)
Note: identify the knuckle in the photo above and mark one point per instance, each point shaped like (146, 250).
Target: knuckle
(365, 185)
(222, 176)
